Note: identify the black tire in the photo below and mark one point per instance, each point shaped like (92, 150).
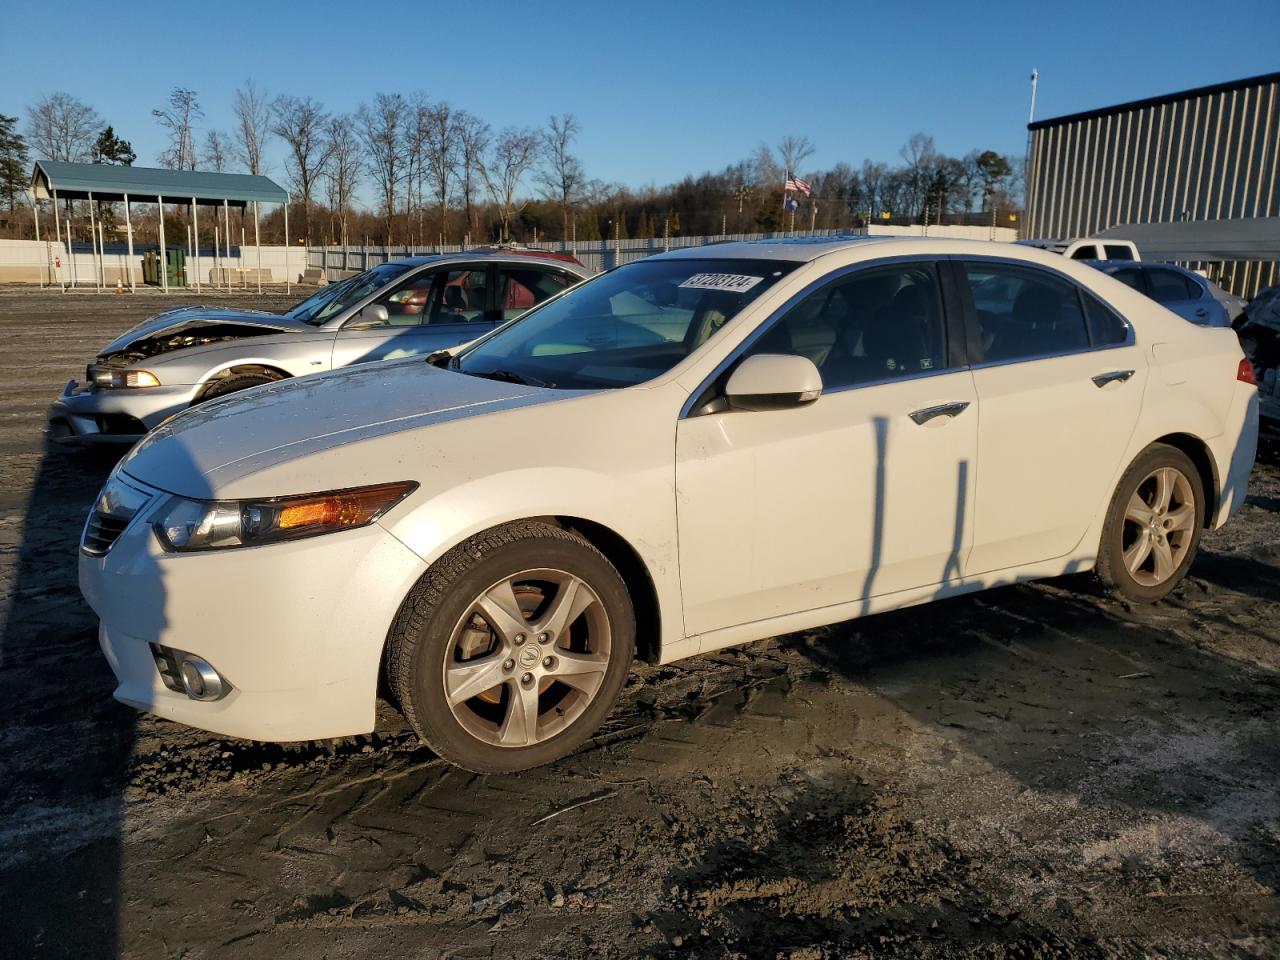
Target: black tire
(234, 384)
(1111, 568)
(423, 636)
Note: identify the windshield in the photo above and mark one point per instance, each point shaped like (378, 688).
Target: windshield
(624, 327)
(331, 300)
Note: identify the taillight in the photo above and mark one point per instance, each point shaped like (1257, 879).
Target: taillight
(1244, 373)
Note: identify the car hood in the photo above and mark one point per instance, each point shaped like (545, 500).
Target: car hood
(203, 450)
(198, 321)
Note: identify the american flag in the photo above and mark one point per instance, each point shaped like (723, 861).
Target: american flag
(795, 185)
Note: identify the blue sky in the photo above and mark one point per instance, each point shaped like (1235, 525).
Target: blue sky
(661, 88)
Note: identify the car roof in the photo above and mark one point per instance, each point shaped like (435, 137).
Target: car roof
(799, 249)
(500, 256)
(808, 249)
(1111, 266)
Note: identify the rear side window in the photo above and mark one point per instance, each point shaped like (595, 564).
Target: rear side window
(1023, 312)
(1168, 286)
(520, 288)
(1118, 251)
(1106, 329)
(1086, 252)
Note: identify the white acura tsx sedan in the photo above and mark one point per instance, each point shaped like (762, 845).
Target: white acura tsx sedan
(691, 451)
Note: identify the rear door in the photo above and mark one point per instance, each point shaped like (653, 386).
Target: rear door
(1059, 380)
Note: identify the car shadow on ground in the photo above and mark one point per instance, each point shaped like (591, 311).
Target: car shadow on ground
(65, 762)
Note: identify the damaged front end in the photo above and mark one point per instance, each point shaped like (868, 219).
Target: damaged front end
(195, 334)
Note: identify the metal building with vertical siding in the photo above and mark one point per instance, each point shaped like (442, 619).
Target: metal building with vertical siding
(1205, 156)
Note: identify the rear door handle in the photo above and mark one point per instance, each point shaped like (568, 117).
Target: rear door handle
(926, 414)
(1115, 376)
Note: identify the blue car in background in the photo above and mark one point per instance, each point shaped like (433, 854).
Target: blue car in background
(1187, 294)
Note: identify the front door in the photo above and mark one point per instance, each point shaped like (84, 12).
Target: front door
(431, 310)
(867, 491)
(1060, 382)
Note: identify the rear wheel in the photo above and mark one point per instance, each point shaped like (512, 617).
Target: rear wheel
(513, 648)
(1153, 525)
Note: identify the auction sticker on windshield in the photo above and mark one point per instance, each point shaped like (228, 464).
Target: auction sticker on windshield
(732, 282)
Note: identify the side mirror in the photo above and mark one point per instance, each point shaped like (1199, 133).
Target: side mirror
(773, 381)
(374, 315)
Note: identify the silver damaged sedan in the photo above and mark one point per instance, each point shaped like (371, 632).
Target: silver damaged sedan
(404, 308)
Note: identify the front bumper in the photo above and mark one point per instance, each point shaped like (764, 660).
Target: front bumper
(297, 629)
(85, 415)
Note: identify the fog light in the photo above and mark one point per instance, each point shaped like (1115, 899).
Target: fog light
(200, 680)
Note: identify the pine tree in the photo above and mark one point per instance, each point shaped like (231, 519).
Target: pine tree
(13, 161)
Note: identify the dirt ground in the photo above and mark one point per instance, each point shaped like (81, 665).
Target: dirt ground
(1030, 772)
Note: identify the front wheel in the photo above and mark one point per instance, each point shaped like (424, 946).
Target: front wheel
(1153, 525)
(513, 648)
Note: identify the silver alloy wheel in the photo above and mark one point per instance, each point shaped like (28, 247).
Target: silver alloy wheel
(1159, 526)
(527, 658)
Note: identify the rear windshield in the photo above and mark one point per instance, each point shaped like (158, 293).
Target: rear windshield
(624, 327)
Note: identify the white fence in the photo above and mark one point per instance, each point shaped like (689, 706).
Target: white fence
(47, 262)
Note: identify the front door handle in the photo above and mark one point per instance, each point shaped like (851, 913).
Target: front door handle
(926, 414)
(1115, 376)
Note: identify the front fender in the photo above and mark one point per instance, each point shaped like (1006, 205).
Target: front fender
(641, 512)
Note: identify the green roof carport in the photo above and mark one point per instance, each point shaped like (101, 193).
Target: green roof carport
(60, 180)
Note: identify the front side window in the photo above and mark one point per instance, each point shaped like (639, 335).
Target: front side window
(876, 324)
(406, 304)
(1169, 286)
(1023, 312)
(623, 327)
(1086, 252)
(334, 298)
(459, 295)
(520, 288)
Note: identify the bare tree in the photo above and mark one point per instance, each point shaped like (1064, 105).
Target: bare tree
(343, 172)
(513, 153)
(473, 144)
(60, 127)
(381, 127)
(179, 120)
(415, 149)
(441, 155)
(794, 151)
(217, 148)
(562, 177)
(918, 153)
(301, 123)
(253, 126)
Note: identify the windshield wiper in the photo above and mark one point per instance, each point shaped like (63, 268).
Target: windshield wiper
(507, 376)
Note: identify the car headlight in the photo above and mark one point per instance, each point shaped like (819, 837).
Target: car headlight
(187, 525)
(103, 377)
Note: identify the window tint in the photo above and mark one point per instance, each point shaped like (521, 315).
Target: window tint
(1088, 252)
(520, 288)
(458, 295)
(1105, 326)
(872, 325)
(1118, 251)
(1167, 286)
(1023, 312)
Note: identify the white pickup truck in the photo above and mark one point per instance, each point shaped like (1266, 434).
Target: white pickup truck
(1089, 248)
